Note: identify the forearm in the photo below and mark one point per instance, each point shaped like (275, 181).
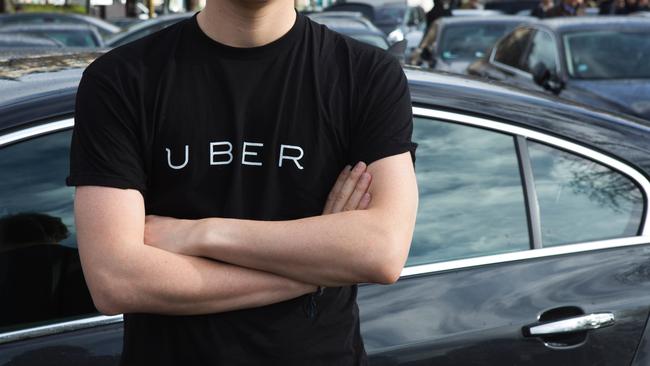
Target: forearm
(348, 247)
(338, 249)
(151, 280)
(126, 276)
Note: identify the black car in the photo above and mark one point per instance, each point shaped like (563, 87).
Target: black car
(395, 18)
(531, 247)
(352, 25)
(146, 27)
(603, 62)
(104, 28)
(452, 43)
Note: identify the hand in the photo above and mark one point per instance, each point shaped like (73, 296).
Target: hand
(168, 233)
(350, 192)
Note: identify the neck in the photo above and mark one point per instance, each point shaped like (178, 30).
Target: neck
(246, 23)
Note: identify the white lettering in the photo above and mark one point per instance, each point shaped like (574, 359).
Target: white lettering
(169, 158)
(294, 158)
(213, 153)
(244, 153)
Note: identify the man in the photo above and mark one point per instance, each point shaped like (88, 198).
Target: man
(541, 8)
(566, 8)
(228, 130)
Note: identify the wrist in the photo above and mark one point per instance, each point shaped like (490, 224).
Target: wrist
(197, 237)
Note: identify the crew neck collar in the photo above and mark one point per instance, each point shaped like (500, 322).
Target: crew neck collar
(281, 44)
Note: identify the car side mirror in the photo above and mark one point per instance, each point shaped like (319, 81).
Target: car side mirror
(398, 49)
(548, 80)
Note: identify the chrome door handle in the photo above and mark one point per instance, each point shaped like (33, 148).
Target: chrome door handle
(571, 325)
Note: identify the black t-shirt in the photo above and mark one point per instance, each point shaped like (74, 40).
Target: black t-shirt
(207, 130)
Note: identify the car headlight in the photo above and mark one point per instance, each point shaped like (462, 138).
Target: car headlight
(396, 36)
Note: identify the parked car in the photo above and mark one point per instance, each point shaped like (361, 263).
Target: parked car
(599, 61)
(70, 35)
(395, 19)
(453, 43)
(145, 28)
(352, 25)
(531, 245)
(24, 40)
(104, 28)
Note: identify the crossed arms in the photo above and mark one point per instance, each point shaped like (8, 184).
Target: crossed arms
(215, 265)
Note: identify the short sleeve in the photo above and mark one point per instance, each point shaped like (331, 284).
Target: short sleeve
(106, 148)
(385, 118)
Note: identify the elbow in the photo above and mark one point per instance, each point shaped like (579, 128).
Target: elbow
(107, 305)
(387, 266)
(108, 295)
(387, 275)
(389, 270)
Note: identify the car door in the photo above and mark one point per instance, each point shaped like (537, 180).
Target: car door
(46, 314)
(528, 250)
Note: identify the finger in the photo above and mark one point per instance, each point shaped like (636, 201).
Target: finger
(365, 201)
(359, 190)
(331, 197)
(348, 186)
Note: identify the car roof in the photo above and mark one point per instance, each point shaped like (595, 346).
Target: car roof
(570, 24)
(50, 90)
(45, 27)
(106, 26)
(357, 24)
(486, 20)
(45, 81)
(139, 26)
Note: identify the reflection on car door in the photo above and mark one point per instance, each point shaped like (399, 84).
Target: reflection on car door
(467, 298)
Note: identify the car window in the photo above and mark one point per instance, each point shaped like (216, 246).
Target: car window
(41, 279)
(511, 49)
(589, 54)
(544, 50)
(471, 195)
(470, 41)
(581, 200)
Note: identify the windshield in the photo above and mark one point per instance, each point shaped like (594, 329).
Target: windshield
(70, 38)
(608, 54)
(389, 15)
(471, 41)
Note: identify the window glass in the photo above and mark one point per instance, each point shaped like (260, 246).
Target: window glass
(40, 273)
(589, 54)
(511, 49)
(470, 41)
(543, 50)
(581, 200)
(471, 195)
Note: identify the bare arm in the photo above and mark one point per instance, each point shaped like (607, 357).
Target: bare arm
(124, 275)
(347, 247)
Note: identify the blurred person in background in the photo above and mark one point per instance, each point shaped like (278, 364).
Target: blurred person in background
(472, 4)
(622, 7)
(541, 9)
(441, 8)
(566, 8)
